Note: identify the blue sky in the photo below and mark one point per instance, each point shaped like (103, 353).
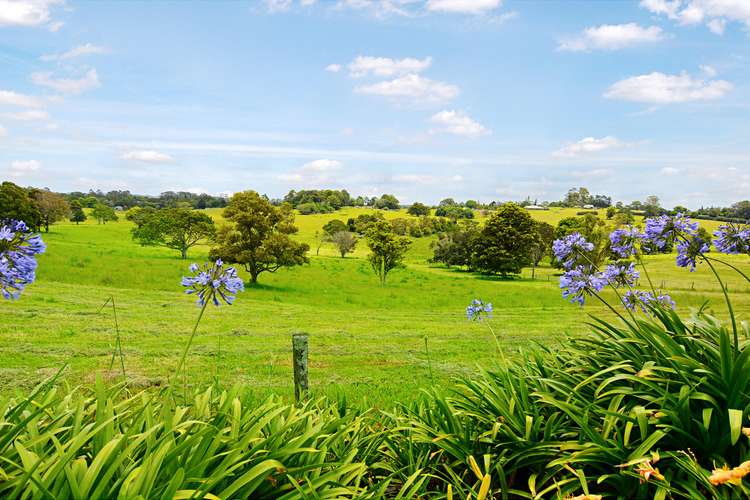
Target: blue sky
(483, 99)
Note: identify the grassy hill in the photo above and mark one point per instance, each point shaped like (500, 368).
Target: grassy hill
(367, 341)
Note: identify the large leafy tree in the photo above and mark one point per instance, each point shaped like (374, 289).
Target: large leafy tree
(177, 228)
(418, 209)
(455, 247)
(387, 249)
(77, 214)
(594, 229)
(345, 242)
(103, 213)
(52, 206)
(504, 245)
(543, 246)
(258, 236)
(15, 203)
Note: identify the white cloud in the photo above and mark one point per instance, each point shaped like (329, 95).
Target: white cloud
(81, 50)
(378, 8)
(387, 67)
(22, 167)
(66, 85)
(463, 6)
(333, 68)
(3, 131)
(457, 123)
(147, 156)
(274, 6)
(27, 116)
(714, 13)
(612, 37)
(669, 171)
(26, 13)
(324, 165)
(8, 97)
(314, 173)
(658, 88)
(710, 71)
(589, 145)
(412, 87)
(596, 173)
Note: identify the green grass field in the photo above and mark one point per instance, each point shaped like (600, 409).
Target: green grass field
(367, 341)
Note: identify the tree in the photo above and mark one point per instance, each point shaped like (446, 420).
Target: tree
(103, 213)
(257, 236)
(455, 247)
(387, 201)
(543, 245)
(77, 214)
(334, 226)
(504, 245)
(418, 209)
(577, 197)
(387, 250)
(176, 228)
(15, 203)
(52, 206)
(345, 241)
(594, 229)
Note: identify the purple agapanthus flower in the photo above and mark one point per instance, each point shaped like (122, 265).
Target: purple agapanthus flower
(577, 283)
(623, 241)
(664, 229)
(18, 248)
(569, 248)
(689, 250)
(478, 309)
(213, 282)
(732, 239)
(646, 301)
(621, 274)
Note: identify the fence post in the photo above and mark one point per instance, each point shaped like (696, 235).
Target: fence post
(299, 361)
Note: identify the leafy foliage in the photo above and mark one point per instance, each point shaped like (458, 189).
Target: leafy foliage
(387, 250)
(103, 213)
(258, 236)
(345, 242)
(15, 203)
(642, 410)
(504, 244)
(111, 444)
(52, 206)
(176, 228)
(77, 214)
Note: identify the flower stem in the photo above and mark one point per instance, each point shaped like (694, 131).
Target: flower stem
(728, 265)
(729, 304)
(190, 341)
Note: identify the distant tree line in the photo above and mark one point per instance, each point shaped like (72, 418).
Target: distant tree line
(168, 199)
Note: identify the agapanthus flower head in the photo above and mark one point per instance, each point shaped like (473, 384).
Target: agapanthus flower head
(664, 229)
(732, 239)
(569, 249)
(621, 274)
(623, 241)
(213, 282)
(690, 249)
(478, 310)
(18, 250)
(646, 301)
(579, 282)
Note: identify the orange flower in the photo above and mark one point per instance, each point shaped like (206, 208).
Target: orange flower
(727, 475)
(585, 497)
(647, 470)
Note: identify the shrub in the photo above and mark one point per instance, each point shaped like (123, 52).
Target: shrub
(110, 444)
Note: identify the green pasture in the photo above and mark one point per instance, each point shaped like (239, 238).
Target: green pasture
(375, 345)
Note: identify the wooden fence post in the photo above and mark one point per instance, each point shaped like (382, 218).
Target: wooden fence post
(299, 361)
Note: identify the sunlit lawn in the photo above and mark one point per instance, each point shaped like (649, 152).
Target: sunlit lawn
(367, 341)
